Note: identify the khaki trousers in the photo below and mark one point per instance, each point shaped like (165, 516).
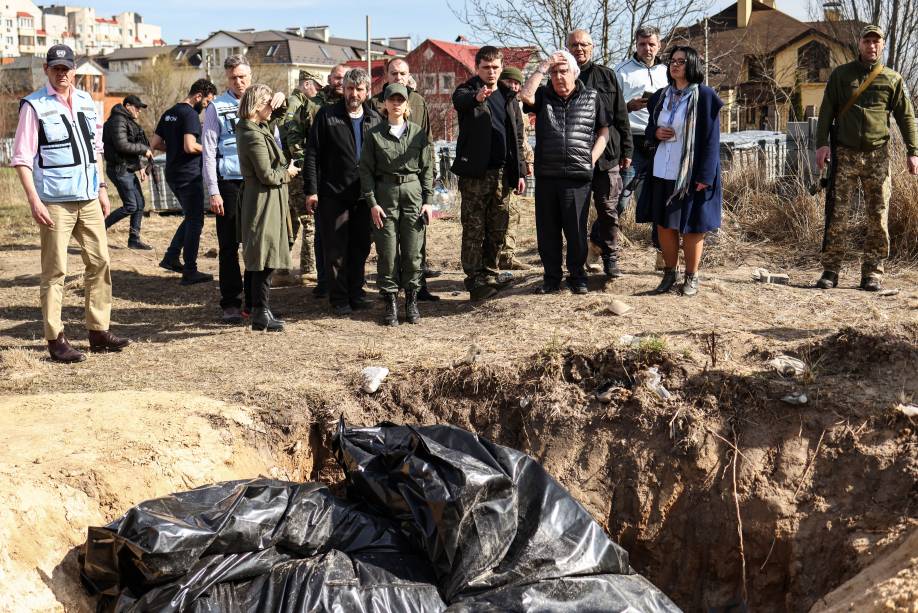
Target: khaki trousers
(84, 221)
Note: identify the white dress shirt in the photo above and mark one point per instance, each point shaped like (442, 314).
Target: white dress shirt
(635, 78)
(668, 158)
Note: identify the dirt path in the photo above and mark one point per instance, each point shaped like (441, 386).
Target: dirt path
(656, 474)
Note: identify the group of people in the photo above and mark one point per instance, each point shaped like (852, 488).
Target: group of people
(346, 169)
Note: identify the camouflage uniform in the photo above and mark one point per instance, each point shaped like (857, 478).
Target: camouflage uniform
(508, 250)
(868, 170)
(295, 130)
(484, 214)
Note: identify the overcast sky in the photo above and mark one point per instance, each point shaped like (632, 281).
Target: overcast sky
(417, 18)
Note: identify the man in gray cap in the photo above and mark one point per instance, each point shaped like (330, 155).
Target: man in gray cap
(859, 98)
(126, 146)
(57, 154)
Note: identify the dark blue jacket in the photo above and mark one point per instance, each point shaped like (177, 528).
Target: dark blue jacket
(701, 211)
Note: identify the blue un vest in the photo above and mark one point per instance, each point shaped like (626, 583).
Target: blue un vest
(227, 107)
(64, 168)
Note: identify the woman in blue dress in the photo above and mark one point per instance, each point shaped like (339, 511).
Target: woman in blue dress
(684, 196)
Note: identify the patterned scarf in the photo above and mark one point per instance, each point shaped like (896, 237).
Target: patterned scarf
(690, 97)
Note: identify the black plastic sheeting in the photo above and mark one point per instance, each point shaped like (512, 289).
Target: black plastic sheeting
(435, 519)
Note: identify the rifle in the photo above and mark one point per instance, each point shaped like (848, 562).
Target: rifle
(827, 181)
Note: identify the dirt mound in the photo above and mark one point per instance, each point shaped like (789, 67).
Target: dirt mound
(98, 455)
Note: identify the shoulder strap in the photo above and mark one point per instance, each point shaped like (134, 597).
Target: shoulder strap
(860, 90)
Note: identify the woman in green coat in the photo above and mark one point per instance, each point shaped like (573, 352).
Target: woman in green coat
(263, 220)
(397, 181)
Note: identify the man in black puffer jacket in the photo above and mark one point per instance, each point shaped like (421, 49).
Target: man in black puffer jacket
(490, 165)
(572, 129)
(125, 147)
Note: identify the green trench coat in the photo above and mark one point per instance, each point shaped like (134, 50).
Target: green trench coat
(263, 221)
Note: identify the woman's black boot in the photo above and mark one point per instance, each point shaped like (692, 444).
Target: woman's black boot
(390, 317)
(411, 306)
(263, 320)
(670, 276)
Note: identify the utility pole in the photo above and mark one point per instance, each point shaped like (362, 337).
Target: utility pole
(369, 52)
(706, 63)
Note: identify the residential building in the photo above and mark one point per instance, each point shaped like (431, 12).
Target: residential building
(768, 67)
(94, 35)
(439, 67)
(20, 28)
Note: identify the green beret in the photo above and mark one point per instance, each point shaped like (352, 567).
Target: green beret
(512, 73)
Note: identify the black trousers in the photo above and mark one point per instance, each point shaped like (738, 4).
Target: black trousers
(562, 207)
(260, 286)
(231, 278)
(607, 185)
(345, 226)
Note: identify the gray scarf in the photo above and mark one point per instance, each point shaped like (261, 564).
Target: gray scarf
(684, 178)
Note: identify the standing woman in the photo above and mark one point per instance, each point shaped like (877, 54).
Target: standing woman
(263, 220)
(685, 194)
(397, 181)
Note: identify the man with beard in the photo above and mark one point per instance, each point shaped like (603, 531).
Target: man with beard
(398, 71)
(224, 180)
(332, 182)
(607, 180)
(490, 165)
(179, 134)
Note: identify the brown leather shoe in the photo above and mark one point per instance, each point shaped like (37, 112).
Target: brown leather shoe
(62, 351)
(103, 340)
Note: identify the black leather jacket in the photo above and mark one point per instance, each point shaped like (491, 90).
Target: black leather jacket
(124, 141)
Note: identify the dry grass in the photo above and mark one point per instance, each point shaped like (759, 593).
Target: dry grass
(15, 220)
(19, 367)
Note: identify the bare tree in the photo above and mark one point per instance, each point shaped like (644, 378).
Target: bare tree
(164, 83)
(546, 23)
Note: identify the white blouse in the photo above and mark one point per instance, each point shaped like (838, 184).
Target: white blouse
(669, 153)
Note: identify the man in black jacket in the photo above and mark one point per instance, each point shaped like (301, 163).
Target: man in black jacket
(490, 165)
(607, 179)
(332, 182)
(572, 129)
(125, 147)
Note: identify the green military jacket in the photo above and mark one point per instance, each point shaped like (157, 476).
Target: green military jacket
(865, 126)
(297, 122)
(383, 156)
(417, 112)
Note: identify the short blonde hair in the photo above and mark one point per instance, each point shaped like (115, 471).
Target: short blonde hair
(253, 99)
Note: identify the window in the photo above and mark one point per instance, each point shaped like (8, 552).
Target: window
(813, 62)
(180, 54)
(428, 83)
(759, 68)
(447, 82)
(9, 24)
(325, 52)
(272, 50)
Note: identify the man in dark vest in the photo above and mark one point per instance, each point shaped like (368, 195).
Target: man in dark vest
(490, 165)
(607, 178)
(572, 130)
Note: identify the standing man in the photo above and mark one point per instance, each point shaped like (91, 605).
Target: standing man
(179, 134)
(126, 146)
(398, 72)
(607, 178)
(300, 111)
(572, 130)
(639, 76)
(490, 165)
(510, 82)
(332, 182)
(57, 154)
(223, 179)
(860, 96)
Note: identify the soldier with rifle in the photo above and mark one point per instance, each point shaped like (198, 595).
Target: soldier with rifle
(853, 137)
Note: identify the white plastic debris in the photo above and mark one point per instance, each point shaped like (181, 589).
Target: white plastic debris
(373, 377)
(654, 382)
(888, 292)
(762, 275)
(909, 410)
(788, 366)
(618, 307)
(628, 340)
(795, 398)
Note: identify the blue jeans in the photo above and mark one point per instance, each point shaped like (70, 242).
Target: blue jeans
(633, 176)
(187, 236)
(132, 202)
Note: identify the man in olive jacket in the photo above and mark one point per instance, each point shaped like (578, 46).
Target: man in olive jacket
(126, 146)
(861, 136)
(490, 165)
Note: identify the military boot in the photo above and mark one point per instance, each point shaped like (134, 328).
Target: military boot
(390, 317)
(828, 280)
(871, 283)
(412, 315)
(610, 266)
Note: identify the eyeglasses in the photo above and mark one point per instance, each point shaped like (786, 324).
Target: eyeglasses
(580, 45)
(678, 62)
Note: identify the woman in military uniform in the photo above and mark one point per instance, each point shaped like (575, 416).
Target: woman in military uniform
(397, 181)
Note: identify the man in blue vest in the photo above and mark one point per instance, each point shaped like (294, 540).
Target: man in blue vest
(223, 180)
(57, 154)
